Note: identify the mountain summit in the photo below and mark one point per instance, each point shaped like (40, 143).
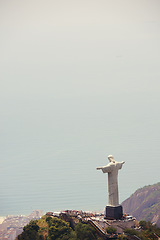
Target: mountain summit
(144, 204)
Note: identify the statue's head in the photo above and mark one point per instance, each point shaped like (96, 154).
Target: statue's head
(111, 158)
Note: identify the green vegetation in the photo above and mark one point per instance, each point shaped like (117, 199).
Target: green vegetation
(31, 232)
(111, 230)
(122, 237)
(148, 231)
(53, 228)
(132, 232)
(85, 231)
(58, 229)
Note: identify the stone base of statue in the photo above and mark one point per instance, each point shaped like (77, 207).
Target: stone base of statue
(112, 212)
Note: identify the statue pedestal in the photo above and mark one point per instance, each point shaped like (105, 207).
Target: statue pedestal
(112, 212)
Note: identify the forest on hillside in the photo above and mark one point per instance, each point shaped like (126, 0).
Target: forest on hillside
(53, 228)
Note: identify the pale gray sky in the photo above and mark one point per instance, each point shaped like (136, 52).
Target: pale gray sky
(79, 80)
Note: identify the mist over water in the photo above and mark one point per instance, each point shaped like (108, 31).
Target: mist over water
(79, 81)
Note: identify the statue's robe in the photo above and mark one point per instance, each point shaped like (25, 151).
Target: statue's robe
(112, 170)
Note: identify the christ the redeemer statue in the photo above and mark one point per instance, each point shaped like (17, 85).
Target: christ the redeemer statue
(112, 170)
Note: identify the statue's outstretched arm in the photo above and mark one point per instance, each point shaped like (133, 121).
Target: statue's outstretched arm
(120, 164)
(105, 169)
(99, 168)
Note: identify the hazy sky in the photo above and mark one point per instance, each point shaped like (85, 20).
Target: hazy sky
(79, 80)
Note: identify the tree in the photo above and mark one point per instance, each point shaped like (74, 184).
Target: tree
(149, 231)
(122, 237)
(85, 232)
(143, 224)
(30, 232)
(111, 230)
(58, 229)
(131, 231)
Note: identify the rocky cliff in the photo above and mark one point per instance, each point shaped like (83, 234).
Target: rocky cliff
(144, 204)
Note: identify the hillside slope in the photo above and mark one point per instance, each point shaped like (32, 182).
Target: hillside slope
(144, 204)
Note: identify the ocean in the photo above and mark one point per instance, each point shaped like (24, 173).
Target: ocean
(51, 165)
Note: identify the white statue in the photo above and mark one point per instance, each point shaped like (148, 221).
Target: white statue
(112, 170)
